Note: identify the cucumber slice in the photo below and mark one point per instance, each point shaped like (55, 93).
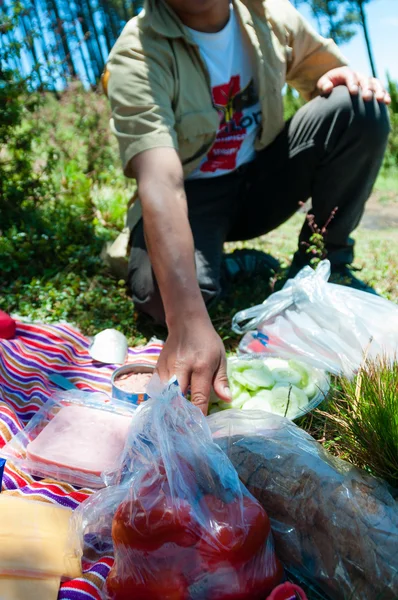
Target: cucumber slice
(237, 402)
(311, 390)
(319, 384)
(265, 396)
(235, 387)
(258, 378)
(275, 363)
(242, 365)
(288, 397)
(303, 370)
(286, 375)
(257, 404)
(240, 378)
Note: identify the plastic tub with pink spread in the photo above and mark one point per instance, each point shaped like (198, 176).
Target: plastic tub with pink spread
(130, 381)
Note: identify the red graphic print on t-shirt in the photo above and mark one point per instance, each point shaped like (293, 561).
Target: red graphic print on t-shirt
(230, 102)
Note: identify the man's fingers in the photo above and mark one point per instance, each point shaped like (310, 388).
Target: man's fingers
(343, 76)
(351, 81)
(161, 369)
(325, 85)
(166, 371)
(220, 384)
(379, 92)
(378, 89)
(366, 89)
(184, 379)
(200, 389)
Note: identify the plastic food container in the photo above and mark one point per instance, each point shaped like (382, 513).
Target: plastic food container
(316, 389)
(126, 396)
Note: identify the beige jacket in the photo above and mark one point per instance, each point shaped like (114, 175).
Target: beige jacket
(159, 87)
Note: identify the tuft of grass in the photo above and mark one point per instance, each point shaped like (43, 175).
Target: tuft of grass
(364, 416)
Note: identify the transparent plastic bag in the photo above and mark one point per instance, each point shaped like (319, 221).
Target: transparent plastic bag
(326, 325)
(183, 526)
(335, 527)
(76, 437)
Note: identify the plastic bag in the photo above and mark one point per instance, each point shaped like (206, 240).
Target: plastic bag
(76, 437)
(334, 526)
(329, 326)
(182, 524)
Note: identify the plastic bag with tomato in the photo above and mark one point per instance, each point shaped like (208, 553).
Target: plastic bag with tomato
(182, 524)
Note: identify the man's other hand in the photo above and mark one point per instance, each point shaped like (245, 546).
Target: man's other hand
(195, 353)
(356, 83)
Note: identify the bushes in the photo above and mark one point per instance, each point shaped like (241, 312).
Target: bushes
(391, 159)
(56, 153)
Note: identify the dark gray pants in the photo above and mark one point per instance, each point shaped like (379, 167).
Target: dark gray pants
(330, 151)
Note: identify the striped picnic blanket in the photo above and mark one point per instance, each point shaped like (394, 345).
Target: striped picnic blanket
(25, 363)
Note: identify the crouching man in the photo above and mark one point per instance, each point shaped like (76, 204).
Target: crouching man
(196, 93)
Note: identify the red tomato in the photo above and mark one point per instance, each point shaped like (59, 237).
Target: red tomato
(165, 585)
(148, 522)
(287, 591)
(263, 574)
(239, 531)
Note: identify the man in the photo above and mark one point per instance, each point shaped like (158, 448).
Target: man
(196, 94)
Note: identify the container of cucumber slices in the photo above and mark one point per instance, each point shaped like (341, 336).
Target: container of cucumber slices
(288, 388)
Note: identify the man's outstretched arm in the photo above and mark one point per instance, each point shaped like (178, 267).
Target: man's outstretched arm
(193, 350)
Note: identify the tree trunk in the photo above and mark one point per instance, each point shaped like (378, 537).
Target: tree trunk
(33, 42)
(95, 31)
(364, 22)
(40, 28)
(81, 42)
(63, 36)
(59, 48)
(106, 25)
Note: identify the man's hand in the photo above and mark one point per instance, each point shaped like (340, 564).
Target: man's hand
(355, 82)
(195, 353)
(193, 350)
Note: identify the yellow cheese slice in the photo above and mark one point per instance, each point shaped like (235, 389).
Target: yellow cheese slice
(35, 540)
(29, 589)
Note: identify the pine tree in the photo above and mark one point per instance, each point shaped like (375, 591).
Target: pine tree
(359, 5)
(339, 19)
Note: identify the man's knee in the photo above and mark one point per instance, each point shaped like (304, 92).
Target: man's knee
(145, 291)
(369, 120)
(143, 287)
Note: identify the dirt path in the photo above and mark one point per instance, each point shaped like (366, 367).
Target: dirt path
(381, 211)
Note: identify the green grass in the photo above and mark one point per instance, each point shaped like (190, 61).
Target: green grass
(89, 297)
(364, 416)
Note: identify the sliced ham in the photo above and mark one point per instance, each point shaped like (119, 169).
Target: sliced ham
(81, 438)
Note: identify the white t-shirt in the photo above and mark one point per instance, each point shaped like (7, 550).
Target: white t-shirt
(230, 65)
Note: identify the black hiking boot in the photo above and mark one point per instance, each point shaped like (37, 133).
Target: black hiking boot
(341, 273)
(242, 264)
